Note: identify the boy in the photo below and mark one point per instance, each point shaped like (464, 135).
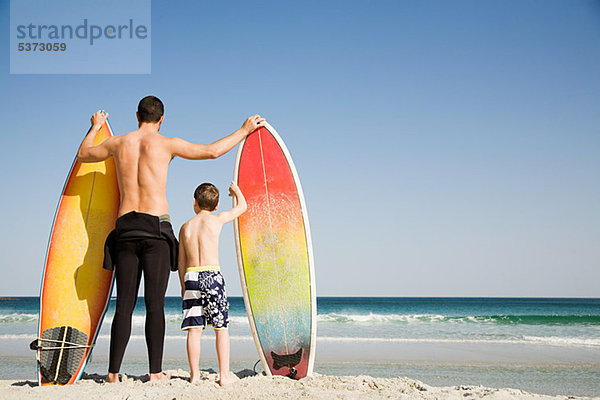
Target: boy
(202, 285)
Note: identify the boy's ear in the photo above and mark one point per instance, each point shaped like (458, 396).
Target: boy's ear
(216, 207)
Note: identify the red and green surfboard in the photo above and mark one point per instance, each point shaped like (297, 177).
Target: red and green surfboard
(275, 257)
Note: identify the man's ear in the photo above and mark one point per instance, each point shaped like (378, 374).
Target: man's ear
(160, 121)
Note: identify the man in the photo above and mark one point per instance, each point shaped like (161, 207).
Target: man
(143, 240)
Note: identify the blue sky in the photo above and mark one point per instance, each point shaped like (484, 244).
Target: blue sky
(446, 148)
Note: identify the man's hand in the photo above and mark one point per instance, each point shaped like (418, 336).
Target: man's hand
(88, 152)
(253, 123)
(99, 118)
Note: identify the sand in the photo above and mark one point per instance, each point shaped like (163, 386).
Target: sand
(257, 387)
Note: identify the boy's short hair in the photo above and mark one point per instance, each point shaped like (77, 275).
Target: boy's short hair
(150, 109)
(207, 196)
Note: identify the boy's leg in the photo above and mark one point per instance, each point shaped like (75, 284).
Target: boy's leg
(225, 375)
(193, 352)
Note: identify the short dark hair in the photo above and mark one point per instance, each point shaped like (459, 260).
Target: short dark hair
(207, 196)
(150, 109)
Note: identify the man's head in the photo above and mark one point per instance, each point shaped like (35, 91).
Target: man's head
(206, 197)
(150, 110)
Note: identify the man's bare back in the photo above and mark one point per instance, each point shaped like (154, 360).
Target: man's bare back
(142, 158)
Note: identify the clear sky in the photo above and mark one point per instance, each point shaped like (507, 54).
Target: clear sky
(445, 148)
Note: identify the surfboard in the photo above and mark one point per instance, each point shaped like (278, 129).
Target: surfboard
(275, 257)
(75, 289)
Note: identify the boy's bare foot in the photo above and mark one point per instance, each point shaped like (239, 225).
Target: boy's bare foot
(194, 379)
(112, 378)
(228, 378)
(158, 377)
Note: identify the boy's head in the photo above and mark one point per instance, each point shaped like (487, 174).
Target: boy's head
(206, 197)
(150, 109)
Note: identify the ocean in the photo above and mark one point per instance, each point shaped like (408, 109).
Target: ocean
(542, 345)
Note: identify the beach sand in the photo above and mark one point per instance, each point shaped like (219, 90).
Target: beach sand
(256, 387)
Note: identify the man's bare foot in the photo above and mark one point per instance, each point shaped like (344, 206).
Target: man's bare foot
(194, 378)
(158, 377)
(112, 378)
(228, 378)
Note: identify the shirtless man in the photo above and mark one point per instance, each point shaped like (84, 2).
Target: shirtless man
(143, 240)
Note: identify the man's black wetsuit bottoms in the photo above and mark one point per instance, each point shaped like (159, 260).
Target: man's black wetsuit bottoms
(140, 243)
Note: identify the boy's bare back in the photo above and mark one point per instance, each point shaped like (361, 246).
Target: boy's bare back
(199, 237)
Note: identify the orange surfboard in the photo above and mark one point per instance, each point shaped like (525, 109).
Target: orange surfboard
(75, 289)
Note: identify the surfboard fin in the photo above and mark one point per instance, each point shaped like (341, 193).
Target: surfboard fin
(287, 360)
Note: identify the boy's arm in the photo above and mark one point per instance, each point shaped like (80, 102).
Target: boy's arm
(192, 151)
(239, 207)
(87, 151)
(182, 261)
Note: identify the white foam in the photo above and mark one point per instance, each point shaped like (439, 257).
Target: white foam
(17, 337)
(555, 341)
(563, 341)
(12, 318)
(380, 318)
(548, 340)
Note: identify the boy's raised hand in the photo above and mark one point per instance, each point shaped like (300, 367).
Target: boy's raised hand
(233, 189)
(240, 205)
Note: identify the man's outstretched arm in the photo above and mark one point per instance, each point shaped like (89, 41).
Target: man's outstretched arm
(87, 151)
(192, 151)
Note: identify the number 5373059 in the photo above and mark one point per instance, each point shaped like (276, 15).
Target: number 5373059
(28, 46)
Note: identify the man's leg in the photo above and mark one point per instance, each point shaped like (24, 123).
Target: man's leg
(155, 260)
(127, 275)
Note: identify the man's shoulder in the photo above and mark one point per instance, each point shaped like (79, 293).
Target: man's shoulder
(165, 142)
(124, 137)
(128, 134)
